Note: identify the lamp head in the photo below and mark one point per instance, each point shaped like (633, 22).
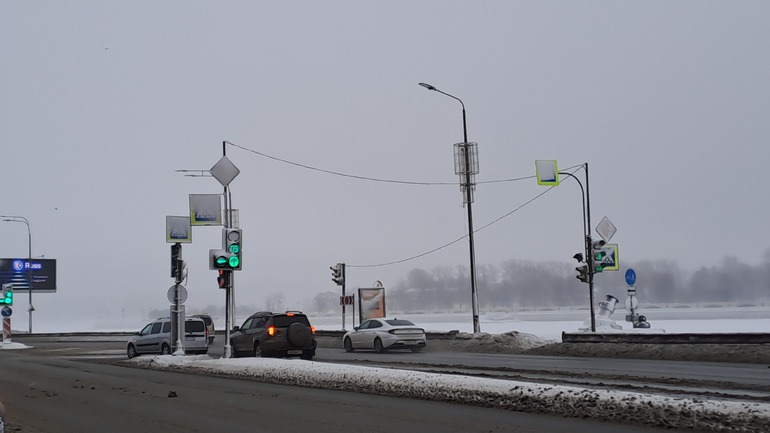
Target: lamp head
(427, 86)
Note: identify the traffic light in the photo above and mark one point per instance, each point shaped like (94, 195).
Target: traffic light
(598, 255)
(232, 244)
(220, 259)
(582, 268)
(338, 273)
(176, 255)
(223, 278)
(6, 296)
(582, 273)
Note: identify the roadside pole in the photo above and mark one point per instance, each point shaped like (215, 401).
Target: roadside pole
(225, 171)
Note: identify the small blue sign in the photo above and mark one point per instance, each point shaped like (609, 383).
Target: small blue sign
(6, 311)
(630, 277)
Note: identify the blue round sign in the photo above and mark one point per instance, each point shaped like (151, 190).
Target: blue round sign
(6, 311)
(630, 277)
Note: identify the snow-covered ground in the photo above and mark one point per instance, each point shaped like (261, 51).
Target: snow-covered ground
(547, 325)
(626, 407)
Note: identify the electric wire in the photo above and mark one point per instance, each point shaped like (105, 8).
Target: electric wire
(373, 179)
(336, 173)
(576, 167)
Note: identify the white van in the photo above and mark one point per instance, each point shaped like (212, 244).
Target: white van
(156, 338)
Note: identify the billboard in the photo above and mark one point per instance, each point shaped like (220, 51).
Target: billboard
(36, 275)
(371, 303)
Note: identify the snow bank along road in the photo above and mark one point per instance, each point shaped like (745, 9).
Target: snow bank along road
(611, 405)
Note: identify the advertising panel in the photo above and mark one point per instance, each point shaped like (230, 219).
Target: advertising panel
(371, 303)
(36, 275)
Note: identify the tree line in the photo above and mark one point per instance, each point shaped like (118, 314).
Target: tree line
(518, 284)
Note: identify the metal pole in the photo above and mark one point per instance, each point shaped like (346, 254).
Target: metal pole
(468, 199)
(586, 246)
(228, 290)
(589, 244)
(232, 273)
(228, 296)
(21, 219)
(343, 299)
(468, 195)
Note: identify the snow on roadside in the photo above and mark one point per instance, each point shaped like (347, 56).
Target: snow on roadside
(13, 346)
(608, 405)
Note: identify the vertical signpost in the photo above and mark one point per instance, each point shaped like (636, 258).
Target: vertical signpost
(225, 171)
(597, 254)
(178, 231)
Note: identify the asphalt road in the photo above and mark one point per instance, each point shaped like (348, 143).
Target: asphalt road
(49, 390)
(688, 377)
(726, 376)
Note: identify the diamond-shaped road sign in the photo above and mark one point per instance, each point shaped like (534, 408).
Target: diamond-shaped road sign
(224, 171)
(606, 229)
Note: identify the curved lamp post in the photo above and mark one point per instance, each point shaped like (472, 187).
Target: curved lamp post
(20, 219)
(468, 199)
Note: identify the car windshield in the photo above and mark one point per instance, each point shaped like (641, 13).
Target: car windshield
(285, 320)
(399, 322)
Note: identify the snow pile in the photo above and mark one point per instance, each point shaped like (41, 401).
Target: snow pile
(512, 341)
(619, 406)
(12, 346)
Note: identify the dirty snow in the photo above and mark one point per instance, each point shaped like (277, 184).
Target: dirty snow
(609, 405)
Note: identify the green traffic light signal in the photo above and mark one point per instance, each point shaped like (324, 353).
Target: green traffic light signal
(235, 248)
(221, 260)
(234, 261)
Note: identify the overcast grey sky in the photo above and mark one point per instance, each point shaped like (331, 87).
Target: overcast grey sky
(667, 101)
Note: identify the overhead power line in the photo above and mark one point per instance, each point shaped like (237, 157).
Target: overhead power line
(372, 179)
(336, 173)
(456, 240)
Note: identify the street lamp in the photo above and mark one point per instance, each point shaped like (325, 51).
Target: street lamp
(466, 171)
(19, 219)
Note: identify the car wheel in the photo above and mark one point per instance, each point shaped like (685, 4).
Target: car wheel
(308, 354)
(416, 349)
(257, 350)
(165, 349)
(348, 345)
(131, 351)
(378, 345)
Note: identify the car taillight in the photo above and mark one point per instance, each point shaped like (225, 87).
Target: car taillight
(271, 331)
(312, 329)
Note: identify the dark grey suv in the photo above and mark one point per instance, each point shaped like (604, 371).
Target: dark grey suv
(274, 334)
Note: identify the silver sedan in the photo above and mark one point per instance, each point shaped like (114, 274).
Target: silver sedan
(385, 334)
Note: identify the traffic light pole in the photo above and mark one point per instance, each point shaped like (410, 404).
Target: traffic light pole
(229, 290)
(589, 245)
(587, 241)
(343, 297)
